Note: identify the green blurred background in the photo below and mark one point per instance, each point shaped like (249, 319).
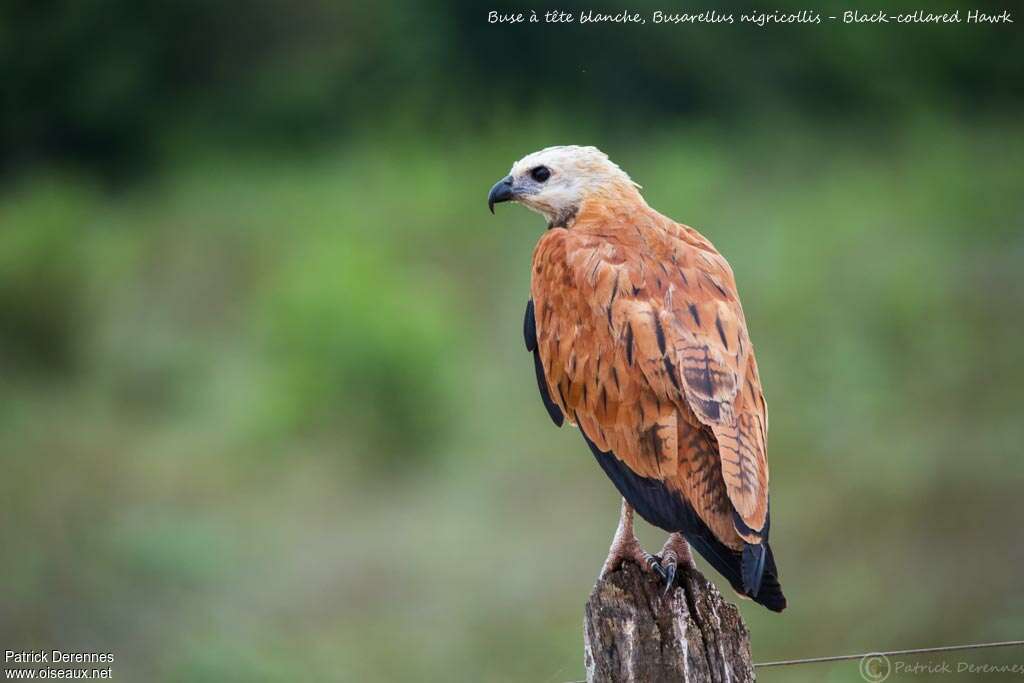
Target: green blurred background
(265, 413)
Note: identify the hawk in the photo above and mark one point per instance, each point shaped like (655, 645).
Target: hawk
(638, 338)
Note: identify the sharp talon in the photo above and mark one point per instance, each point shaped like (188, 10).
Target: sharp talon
(654, 564)
(670, 577)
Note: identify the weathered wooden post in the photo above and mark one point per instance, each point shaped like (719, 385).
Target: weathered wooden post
(634, 632)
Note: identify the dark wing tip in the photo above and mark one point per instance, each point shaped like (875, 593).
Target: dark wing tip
(530, 327)
(769, 591)
(752, 567)
(530, 337)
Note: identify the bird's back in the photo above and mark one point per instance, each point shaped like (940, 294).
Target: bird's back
(641, 342)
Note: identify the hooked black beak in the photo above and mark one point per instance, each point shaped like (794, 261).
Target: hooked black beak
(501, 192)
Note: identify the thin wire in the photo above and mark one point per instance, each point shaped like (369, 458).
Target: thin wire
(893, 653)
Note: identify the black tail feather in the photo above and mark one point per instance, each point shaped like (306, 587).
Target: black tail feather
(752, 567)
(770, 595)
(723, 559)
(751, 572)
(735, 567)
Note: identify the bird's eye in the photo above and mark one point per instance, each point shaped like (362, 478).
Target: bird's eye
(540, 174)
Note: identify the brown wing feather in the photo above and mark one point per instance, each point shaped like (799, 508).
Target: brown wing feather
(644, 346)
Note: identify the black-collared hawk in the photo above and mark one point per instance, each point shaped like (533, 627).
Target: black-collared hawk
(638, 338)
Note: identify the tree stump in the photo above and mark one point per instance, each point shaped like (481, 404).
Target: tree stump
(632, 632)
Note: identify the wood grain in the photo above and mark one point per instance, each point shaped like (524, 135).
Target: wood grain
(634, 633)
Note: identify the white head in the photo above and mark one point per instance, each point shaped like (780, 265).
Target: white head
(556, 180)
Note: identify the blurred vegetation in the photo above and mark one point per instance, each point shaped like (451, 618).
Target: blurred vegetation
(265, 412)
(117, 84)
